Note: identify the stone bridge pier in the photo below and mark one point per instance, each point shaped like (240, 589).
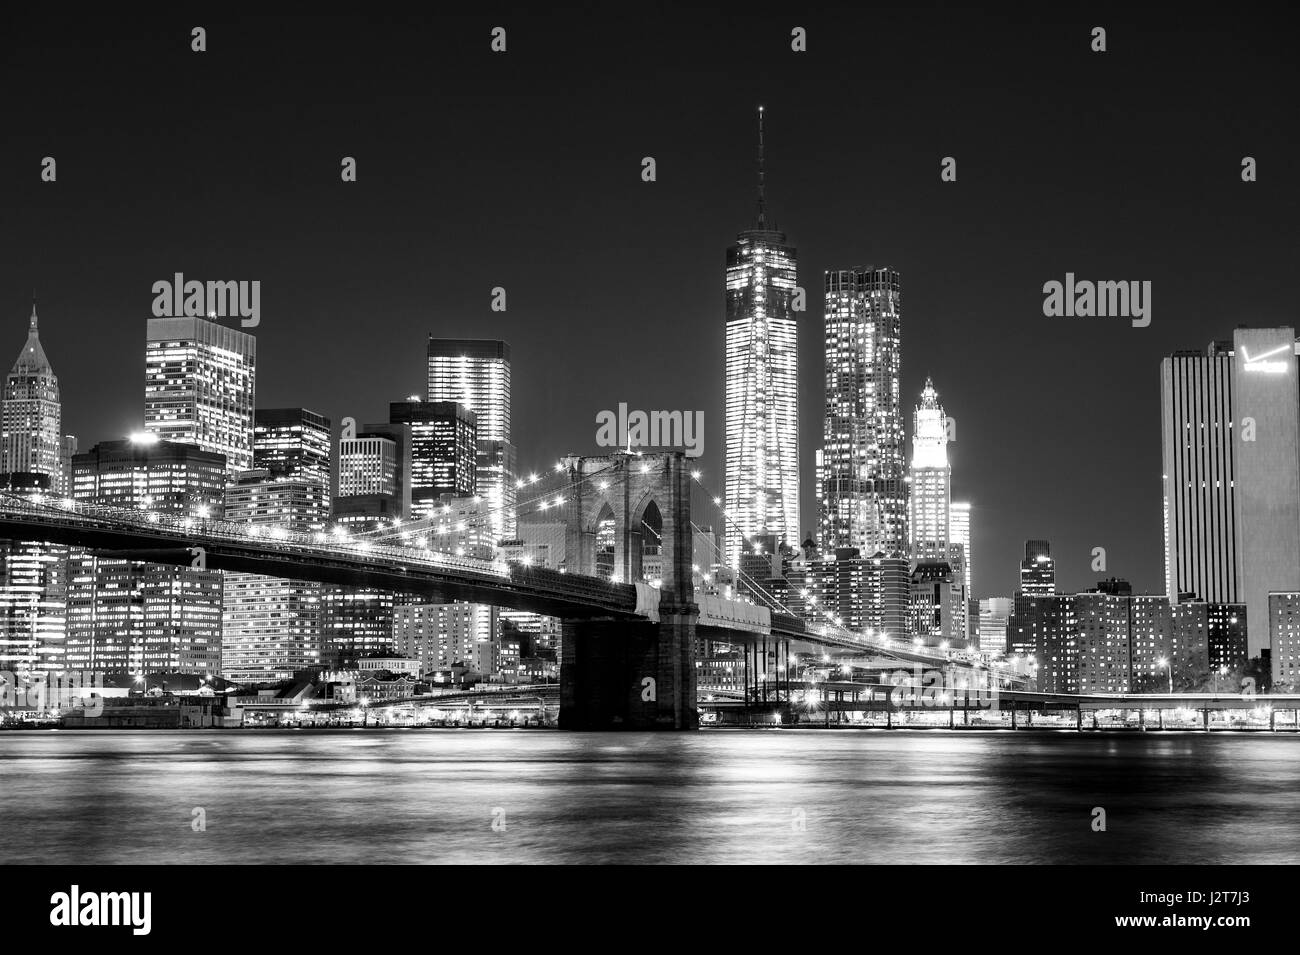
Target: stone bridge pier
(629, 515)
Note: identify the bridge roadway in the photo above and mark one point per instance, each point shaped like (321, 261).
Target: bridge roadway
(163, 538)
(324, 558)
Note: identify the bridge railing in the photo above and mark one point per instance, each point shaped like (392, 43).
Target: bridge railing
(195, 531)
(564, 584)
(318, 543)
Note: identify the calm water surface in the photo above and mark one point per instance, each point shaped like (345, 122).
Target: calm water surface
(420, 796)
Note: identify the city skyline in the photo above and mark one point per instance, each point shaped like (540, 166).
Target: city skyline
(335, 308)
(674, 435)
(160, 335)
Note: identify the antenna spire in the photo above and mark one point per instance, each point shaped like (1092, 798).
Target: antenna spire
(762, 198)
(32, 321)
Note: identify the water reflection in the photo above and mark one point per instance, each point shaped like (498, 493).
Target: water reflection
(744, 796)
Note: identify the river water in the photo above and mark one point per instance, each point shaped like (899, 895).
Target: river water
(721, 796)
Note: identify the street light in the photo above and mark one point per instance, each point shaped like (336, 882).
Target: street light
(1164, 662)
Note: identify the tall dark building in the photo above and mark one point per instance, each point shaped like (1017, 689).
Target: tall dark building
(1037, 579)
(441, 450)
(1057, 644)
(1231, 455)
(1038, 570)
(292, 443)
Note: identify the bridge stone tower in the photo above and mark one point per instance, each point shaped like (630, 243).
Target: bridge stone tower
(619, 674)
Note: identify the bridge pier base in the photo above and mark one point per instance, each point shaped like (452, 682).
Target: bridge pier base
(635, 675)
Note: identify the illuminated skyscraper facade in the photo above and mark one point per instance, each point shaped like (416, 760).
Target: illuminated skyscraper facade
(442, 451)
(367, 465)
(1038, 570)
(131, 617)
(762, 393)
(31, 439)
(32, 573)
(476, 374)
(1231, 454)
(272, 626)
(293, 443)
(862, 488)
(33, 576)
(199, 386)
(959, 529)
(931, 485)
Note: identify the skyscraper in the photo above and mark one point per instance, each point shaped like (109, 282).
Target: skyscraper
(368, 465)
(1231, 451)
(931, 485)
(442, 451)
(1266, 400)
(272, 626)
(33, 577)
(476, 374)
(1057, 641)
(993, 615)
(1038, 570)
(31, 416)
(862, 491)
(32, 573)
(129, 616)
(199, 386)
(1200, 511)
(959, 530)
(762, 395)
(1037, 582)
(293, 442)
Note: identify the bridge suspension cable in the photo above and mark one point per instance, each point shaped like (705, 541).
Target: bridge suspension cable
(553, 497)
(833, 623)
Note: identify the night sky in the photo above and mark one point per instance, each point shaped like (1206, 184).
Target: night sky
(522, 170)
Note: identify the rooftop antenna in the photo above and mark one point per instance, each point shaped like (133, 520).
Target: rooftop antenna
(762, 200)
